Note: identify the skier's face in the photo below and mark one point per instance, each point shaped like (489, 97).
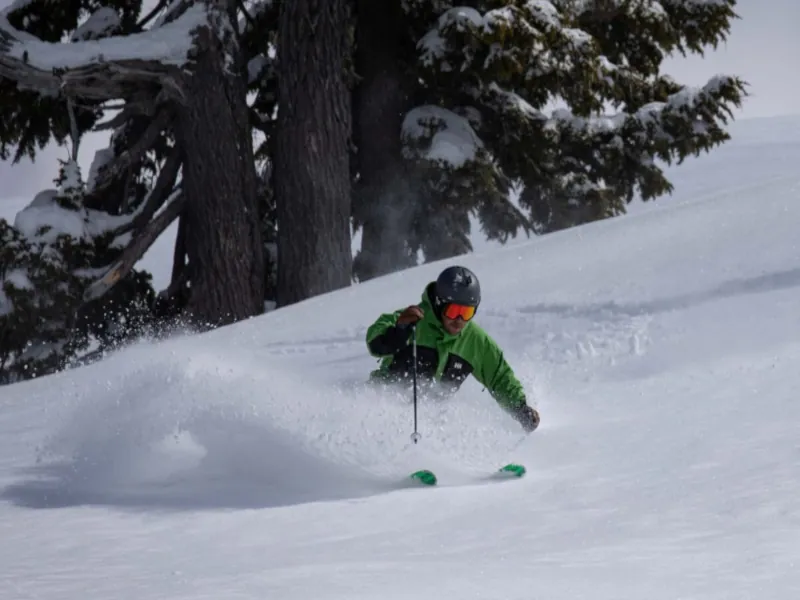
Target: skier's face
(453, 326)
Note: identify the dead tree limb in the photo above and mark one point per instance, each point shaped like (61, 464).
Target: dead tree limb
(136, 249)
(138, 149)
(158, 195)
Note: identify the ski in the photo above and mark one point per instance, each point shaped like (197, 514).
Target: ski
(427, 477)
(511, 470)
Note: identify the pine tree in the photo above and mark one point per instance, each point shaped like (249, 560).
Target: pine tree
(478, 81)
(180, 147)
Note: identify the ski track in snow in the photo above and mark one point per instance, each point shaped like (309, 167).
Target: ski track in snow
(254, 461)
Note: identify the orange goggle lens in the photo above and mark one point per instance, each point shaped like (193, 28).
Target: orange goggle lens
(453, 311)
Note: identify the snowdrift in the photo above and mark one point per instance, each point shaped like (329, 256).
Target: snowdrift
(253, 461)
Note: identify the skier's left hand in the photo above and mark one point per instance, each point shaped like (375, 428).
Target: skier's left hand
(529, 418)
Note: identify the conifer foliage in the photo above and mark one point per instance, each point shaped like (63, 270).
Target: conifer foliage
(563, 99)
(180, 149)
(417, 118)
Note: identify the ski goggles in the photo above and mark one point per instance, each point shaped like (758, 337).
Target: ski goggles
(453, 311)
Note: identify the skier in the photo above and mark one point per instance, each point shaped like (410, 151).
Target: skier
(450, 345)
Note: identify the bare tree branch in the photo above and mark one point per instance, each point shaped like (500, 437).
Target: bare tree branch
(158, 195)
(144, 103)
(130, 156)
(73, 127)
(136, 249)
(118, 120)
(174, 10)
(101, 81)
(179, 271)
(250, 20)
(162, 4)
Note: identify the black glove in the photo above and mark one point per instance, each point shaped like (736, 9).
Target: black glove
(528, 417)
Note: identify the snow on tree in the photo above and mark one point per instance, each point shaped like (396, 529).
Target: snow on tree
(473, 84)
(55, 248)
(180, 147)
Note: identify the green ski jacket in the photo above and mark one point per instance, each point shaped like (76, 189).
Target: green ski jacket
(443, 357)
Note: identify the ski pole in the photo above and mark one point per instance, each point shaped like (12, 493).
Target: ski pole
(415, 437)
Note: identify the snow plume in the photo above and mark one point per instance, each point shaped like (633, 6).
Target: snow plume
(198, 429)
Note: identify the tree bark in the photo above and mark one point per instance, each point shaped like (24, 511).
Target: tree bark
(384, 204)
(223, 239)
(312, 164)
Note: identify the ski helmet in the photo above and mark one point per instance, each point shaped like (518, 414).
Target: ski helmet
(458, 285)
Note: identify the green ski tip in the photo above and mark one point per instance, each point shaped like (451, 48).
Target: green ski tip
(512, 469)
(425, 477)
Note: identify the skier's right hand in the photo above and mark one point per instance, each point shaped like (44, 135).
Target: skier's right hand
(410, 315)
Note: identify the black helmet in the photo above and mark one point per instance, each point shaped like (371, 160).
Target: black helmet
(458, 285)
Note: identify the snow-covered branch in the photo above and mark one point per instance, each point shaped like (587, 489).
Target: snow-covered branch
(438, 134)
(100, 69)
(103, 22)
(528, 47)
(698, 108)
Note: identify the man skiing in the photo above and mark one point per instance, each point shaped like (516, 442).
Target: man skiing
(450, 345)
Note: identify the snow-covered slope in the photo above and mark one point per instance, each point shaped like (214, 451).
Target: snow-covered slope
(251, 462)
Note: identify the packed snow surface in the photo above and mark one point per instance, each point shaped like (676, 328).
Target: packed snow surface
(252, 462)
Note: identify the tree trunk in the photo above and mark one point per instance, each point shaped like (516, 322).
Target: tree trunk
(384, 201)
(312, 168)
(223, 239)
